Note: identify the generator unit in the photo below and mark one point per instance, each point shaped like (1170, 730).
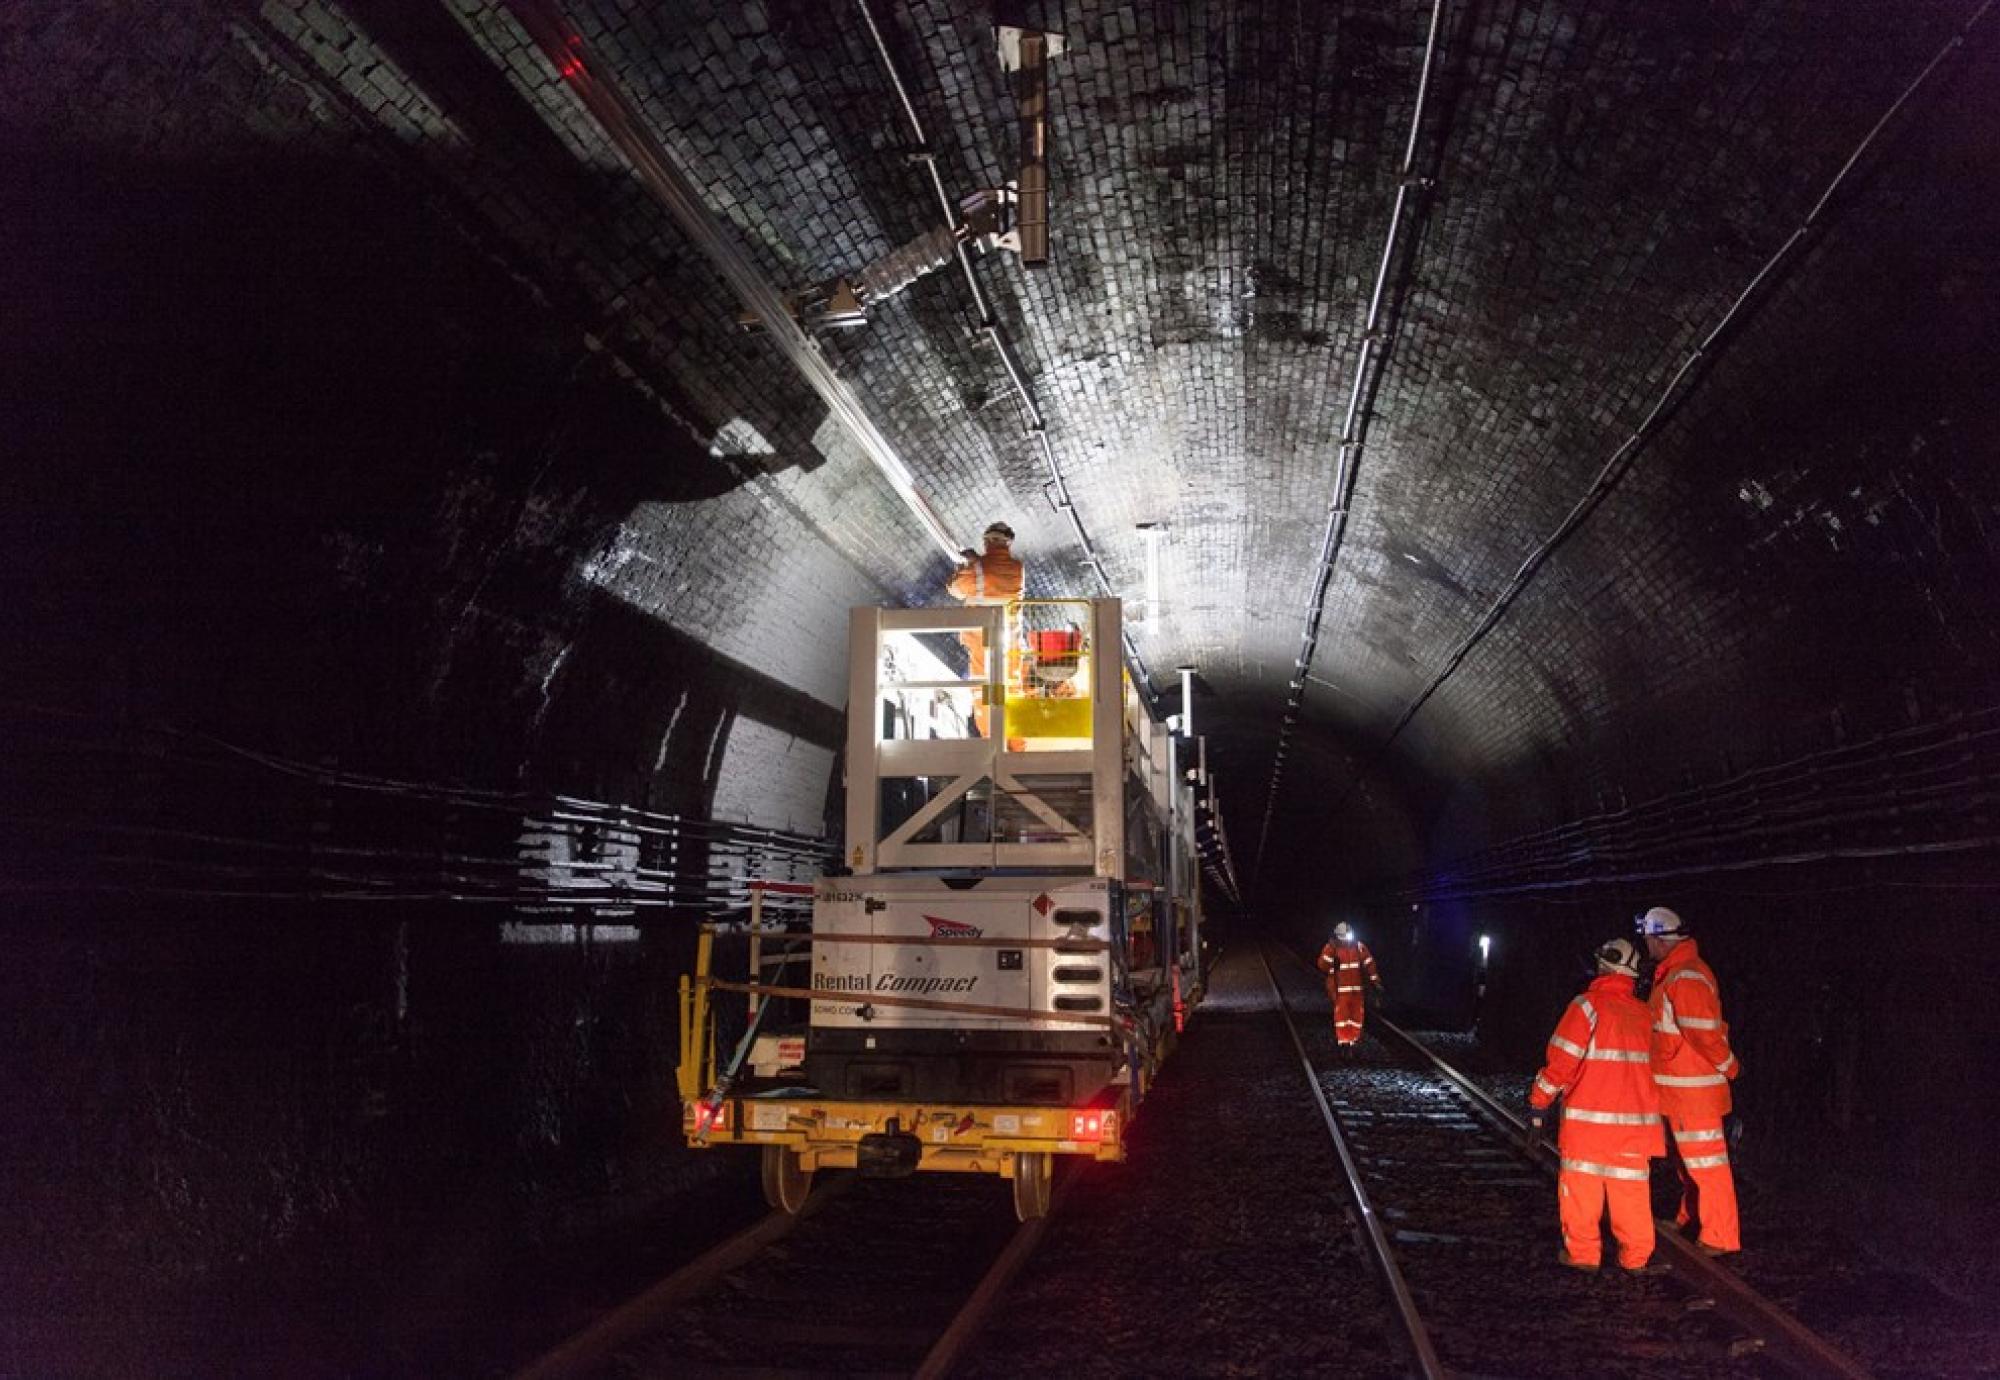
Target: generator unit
(1013, 940)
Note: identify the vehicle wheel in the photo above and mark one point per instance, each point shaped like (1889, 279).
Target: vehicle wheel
(786, 1180)
(1032, 1175)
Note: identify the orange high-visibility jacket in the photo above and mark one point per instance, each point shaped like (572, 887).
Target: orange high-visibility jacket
(1692, 1061)
(1599, 1063)
(994, 578)
(1347, 967)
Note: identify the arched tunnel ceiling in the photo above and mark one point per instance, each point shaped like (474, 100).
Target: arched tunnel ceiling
(1606, 180)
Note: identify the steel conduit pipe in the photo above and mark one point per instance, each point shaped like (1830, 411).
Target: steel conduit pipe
(1353, 430)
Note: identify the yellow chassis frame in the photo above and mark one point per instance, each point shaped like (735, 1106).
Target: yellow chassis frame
(826, 1132)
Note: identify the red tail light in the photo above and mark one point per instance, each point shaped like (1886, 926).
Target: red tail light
(710, 1116)
(1092, 1125)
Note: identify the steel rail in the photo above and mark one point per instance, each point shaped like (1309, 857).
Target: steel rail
(1353, 436)
(1428, 1363)
(595, 1344)
(1798, 1347)
(965, 1324)
(626, 130)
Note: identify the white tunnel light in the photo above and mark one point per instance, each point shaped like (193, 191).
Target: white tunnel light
(1485, 947)
(1151, 532)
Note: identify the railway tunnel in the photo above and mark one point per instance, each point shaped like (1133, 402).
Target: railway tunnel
(444, 442)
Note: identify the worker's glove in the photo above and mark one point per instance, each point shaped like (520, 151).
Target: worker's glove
(1538, 1124)
(1732, 1131)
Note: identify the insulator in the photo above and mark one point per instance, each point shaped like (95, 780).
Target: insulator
(903, 265)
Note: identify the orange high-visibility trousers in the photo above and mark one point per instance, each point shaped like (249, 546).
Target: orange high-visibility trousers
(1350, 1007)
(1708, 1189)
(1581, 1198)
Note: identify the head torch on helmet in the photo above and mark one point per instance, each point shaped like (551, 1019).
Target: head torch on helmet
(1660, 923)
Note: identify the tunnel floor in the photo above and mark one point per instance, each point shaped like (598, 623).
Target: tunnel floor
(1223, 1246)
(1804, 1248)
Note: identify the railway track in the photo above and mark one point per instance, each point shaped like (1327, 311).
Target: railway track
(870, 1278)
(1461, 1225)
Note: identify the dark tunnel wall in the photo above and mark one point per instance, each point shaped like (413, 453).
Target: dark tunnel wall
(301, 464)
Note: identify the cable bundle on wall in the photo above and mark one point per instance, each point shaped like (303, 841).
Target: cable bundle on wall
(1926, 790)
(163, 812)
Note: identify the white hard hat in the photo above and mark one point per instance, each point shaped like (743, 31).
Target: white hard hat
(1343, 931)
(1619, 956)
(1660, 923)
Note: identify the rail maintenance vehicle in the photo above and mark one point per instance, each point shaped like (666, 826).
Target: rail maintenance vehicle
(996, 972)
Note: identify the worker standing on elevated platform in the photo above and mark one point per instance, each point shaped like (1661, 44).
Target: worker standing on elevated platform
(1693, 1067)
(1350, 970)
(1599, 1063)
(991, 577)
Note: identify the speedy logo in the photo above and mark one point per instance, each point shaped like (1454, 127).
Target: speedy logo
(952, 929)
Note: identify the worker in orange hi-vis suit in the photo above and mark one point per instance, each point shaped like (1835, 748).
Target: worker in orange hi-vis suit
(1693, 1067)
(991, 577)
(1350, 971)
(1600, 1065)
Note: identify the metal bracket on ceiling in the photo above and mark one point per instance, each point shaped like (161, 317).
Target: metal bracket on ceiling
(1025, 54)
(1009, 39)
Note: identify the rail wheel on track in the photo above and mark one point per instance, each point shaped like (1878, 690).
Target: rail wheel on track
(1032, 1180)
(786, 1180)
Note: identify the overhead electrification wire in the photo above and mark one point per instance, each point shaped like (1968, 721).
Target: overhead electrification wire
(1673, 395)
(1353, 433)
(628, 132)
(997, 335)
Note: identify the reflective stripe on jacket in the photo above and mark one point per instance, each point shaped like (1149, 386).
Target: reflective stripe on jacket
(1348, 967)
(994, 578)
(1599, 1064)
(1692, 1061)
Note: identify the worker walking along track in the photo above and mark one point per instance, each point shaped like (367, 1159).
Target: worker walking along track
(1461, 1223)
